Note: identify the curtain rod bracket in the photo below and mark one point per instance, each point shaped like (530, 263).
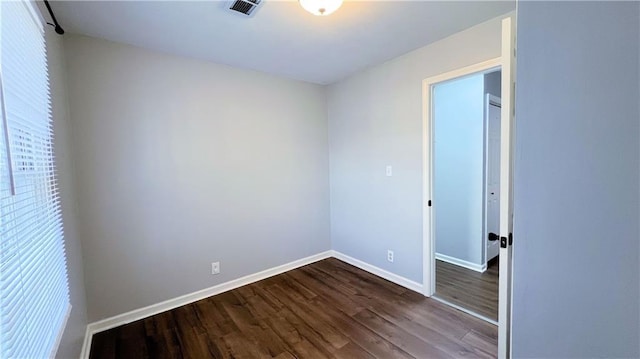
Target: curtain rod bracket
(59, 30)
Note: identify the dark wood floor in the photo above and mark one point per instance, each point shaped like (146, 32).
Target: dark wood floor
(469, 289)
(327, 309)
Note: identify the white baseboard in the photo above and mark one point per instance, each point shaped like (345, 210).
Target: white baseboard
(399, 280)
(154, 309)
(86, 344)
(462, 263)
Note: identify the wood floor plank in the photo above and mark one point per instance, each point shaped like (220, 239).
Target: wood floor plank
(432, 317)
(296, 286)
(250, 328)
(358, 278)
(328, 309)
(341, 298)
(323, 285)
(129, 342)
(375, 299)
(400, 337)
(359, 334)
(197, 345)
(449, 317)
(469, 289)
(243, 347)
(306, 349)
(451, 346)
(482, 342)
(309, 337)
(285, 330)
(323, 329)
(103, 345)
(285, 356)
(164, 345)
(214, 322)
(351, 351)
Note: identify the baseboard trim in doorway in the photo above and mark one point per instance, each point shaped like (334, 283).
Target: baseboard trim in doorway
(392, 277)
(141, 313)
(462, 309)
(461, 263)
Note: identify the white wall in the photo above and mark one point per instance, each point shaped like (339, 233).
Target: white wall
(577, 182)
(180, 163)
(375, 119)
(458, 156)
(73, 337)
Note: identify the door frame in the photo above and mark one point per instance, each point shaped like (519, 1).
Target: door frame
(428, 230)
(507, 63)
(507, 159)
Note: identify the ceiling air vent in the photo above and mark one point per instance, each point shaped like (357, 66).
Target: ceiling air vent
(244, 7)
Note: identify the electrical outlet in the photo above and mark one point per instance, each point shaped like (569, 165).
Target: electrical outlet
(390, 256)
(389, 171)
(215, 267)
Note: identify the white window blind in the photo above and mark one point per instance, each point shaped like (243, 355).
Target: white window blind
(34, 294)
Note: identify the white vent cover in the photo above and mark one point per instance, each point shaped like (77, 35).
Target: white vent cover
(244, 7)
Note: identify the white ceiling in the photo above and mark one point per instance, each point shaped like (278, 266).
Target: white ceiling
(282, 38)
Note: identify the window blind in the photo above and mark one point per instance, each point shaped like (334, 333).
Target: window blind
(34, 294)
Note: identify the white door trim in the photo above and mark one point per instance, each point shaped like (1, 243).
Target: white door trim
(507, 140)
(428, 237)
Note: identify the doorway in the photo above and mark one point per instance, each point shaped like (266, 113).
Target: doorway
(465, 136)
(504, 199)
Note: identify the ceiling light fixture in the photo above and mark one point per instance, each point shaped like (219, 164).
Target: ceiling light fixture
(321, 7)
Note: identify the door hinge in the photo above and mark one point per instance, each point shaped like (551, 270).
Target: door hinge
(429, 203)
(510, 239)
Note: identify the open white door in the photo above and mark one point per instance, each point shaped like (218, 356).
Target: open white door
(506, 187)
